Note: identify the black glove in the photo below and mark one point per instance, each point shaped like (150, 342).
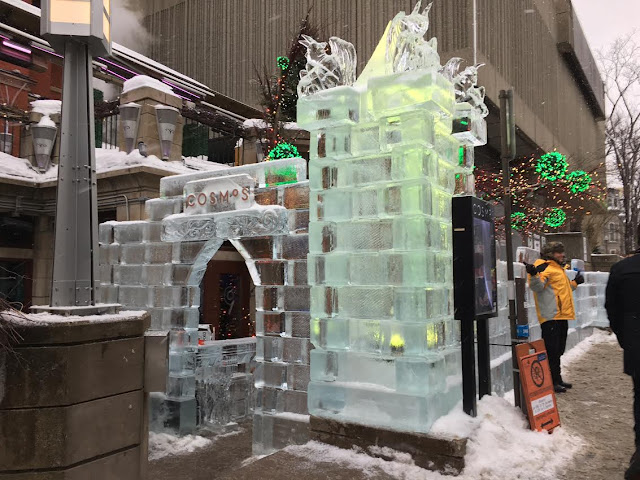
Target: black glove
(533, 270)
(579, 278)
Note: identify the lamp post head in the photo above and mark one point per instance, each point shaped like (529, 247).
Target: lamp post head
(86, 21)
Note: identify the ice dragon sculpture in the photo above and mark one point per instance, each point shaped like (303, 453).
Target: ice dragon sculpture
(326, 70)
(465, 83)
(406, 47)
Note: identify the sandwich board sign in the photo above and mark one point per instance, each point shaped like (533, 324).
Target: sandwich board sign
(537, 386)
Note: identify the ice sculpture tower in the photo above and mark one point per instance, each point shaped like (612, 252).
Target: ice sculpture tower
(383, 166)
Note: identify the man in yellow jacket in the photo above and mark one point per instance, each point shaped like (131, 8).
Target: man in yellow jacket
(553, 293)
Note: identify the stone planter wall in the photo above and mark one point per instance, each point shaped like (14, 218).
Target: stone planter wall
(72, 401)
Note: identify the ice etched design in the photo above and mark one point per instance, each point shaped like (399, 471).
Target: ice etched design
(468, 91)
(406, 47)
(327, 70)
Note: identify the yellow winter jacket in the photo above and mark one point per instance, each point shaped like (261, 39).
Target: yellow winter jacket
(553, 293)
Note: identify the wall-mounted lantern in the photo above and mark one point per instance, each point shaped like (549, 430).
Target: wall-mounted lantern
(130, 119)
(167, 117)
(44, 136)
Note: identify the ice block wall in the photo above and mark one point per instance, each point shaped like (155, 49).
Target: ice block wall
(382, 174)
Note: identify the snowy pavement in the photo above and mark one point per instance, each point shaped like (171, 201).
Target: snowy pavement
(500, 445)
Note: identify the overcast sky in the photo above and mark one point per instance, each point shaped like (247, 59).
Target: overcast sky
(605, 20)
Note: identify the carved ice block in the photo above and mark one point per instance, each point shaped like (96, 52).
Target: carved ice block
(222, 194)
(416, 90)
(329, 108)
(407, 127)
(334, 143)
(469, 127)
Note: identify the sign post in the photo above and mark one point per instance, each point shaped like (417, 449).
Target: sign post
(474, 277)
(537, 386)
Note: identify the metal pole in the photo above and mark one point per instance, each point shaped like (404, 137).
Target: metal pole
(76, 241)
(469, 404)
(484, 357)
(508, 153)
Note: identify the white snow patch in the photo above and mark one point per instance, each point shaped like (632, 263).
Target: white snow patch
(46, 121)
(599, 336)
(46, 107)
(20, 168)
(163, 444)
(500, 446)
(46, 317)
(201, 163)
(260, 123)
(107, 160)
(250, 460)
(141, 81)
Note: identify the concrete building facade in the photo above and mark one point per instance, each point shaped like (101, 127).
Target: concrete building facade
(534, 46)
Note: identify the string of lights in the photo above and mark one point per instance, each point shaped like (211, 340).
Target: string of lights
(545, 194)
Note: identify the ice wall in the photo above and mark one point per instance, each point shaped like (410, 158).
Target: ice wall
(382, 174)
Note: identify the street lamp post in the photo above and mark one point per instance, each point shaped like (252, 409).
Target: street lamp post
(79, 29)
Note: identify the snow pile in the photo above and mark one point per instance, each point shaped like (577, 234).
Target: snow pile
(46, 317)
(20, 168)
(107, 160)
(261, 124)
(201, 163)
(46, 107)
(163, 444)
(46, 121)
(500, 446)
(141, 81)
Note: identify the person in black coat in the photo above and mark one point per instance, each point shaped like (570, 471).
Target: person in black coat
(623, 309)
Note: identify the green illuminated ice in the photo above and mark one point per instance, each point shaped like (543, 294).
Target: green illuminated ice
(382, 172)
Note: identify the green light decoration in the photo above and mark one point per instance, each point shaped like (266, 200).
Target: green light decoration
(580, 181)
(283, 63)
(283, 150)
(555, 218)
(518, 220)
(552, 166)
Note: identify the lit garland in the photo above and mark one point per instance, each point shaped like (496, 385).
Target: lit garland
(533, 196)
(283, 150)
(552, 166)
(579, 181)
(518, 220)
(282, 62)
(555, 218)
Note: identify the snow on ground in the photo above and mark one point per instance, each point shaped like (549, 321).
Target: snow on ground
(164, 444)
(500, 447)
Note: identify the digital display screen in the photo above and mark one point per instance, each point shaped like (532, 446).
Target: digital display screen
(484, 265)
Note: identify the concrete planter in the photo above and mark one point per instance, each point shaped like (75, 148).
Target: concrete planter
(73, 403)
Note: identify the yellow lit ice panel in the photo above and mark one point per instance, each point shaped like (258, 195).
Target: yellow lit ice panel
(106, 27)
(71, 11)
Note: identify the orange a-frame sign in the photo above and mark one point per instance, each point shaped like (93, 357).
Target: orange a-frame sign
(537, 386)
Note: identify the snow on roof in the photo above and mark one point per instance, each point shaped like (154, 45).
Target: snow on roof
(124, 51)
(107, 160)
(140, 81)
(47, 107)
(260, 123)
